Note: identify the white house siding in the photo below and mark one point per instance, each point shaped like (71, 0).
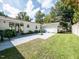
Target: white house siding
(51, 27)
(51, 30)
(32, 27)
(75, 29)
(4, 25)
(7, 20)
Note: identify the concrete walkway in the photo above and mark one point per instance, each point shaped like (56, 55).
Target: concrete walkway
(18, 41)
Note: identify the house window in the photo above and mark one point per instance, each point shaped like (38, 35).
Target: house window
(36, 27)
(28, 26)
(11, 24)
(17, 24)
(4, 21)
(21, 24)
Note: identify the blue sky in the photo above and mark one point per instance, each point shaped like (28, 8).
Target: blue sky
(13, 7)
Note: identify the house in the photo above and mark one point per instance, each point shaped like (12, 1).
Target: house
(18, 25)
(25, 27)
(51, 27)
(75, 29)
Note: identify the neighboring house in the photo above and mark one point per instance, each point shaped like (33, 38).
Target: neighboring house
(25, 27)
(75, 29)
(18, 25)
(51, 27)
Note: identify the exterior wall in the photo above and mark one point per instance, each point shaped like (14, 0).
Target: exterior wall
(51, 30)
(4, 24)
(75, 29)
(51, 27)
(32, 27)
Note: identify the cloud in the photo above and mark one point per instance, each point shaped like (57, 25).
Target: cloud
(46, 3)
(1, 1)
(11, 10)
(30, 9)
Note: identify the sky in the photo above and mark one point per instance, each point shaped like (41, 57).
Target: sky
(13, 7)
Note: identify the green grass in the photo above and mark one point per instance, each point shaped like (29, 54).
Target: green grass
(60, 46)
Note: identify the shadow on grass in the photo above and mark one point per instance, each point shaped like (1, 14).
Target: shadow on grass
(11, 52)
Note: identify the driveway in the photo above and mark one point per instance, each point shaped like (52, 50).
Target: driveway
(17, 41)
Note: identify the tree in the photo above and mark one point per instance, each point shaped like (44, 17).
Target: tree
(39, 17)
(2, 14)
(48, 19)
(66, 12)
(23, 16)
(53, 13)
(76, 17)
(73, 3)
(75, 6)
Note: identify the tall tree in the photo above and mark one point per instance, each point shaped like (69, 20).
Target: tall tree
(23, 16)
(53, 14)
(66, 11)
(47, 19)
(39, 17)
(2, 14)
(73, 3)
(76, 17)
(75, 6)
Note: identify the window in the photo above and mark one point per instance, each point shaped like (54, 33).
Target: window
(21, 24)
(28, 26)
(36, 27)
(17, 24)
(4, 21)
(11, 24)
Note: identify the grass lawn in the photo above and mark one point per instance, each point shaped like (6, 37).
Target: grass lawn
(60, 46)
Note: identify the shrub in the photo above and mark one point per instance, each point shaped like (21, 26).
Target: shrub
(14, 33)
(1, 31)
(30, 32)
(9, 33)
(43, 31)
(36, 31)
(1, 35)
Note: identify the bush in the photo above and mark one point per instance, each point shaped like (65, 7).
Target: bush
(30, 32)
(43, 31)
(9, 33)
(1, 31)
(14, 33)
(1, 35)
(36, 31)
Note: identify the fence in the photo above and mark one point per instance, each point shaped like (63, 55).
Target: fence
(75, 29)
